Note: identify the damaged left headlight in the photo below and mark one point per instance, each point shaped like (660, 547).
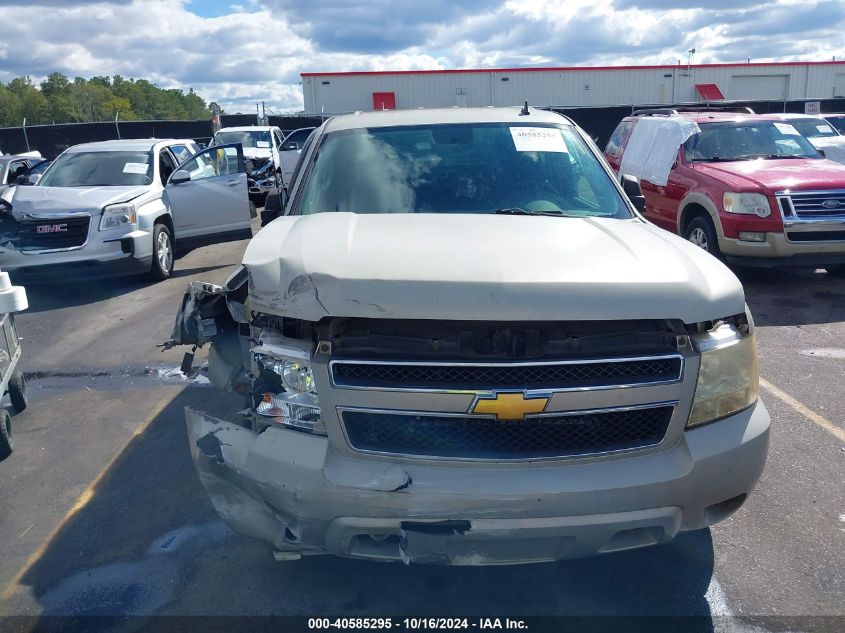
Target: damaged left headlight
(285, 392)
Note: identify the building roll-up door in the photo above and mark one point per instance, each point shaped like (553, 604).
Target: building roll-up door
(759, 87)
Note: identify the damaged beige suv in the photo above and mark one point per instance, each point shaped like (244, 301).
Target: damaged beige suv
(461, 344)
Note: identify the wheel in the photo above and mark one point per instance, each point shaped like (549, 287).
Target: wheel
(836, 271)
(5, 434)
(700, 232)
(17, 391)
(162, 265)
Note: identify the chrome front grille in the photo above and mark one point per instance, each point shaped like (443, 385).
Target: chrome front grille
(545, 436)
(813, 204)
(556, 375)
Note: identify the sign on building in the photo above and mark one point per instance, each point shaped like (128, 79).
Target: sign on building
(812, 107)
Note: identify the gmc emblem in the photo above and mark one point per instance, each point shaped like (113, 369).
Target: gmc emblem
(51, 228)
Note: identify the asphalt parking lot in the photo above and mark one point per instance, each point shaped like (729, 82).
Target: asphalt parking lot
(101, 512)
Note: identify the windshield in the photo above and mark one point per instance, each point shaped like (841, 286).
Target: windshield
(747, 140)
(92, 169)
(838, 122)
(248, 138)
(466, 168)
(814, 128)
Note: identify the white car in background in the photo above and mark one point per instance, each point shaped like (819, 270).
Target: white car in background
(820, 132)
(260, 142)
(120, 206)
(14, 165)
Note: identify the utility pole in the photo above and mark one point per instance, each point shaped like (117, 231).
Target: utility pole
(263, 114)
(116, 126)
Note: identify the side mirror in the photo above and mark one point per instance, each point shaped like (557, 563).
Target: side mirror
(290, 146)
(27, 179)
(632, 189)
(274, 205)
(179, 176)
(821, 151)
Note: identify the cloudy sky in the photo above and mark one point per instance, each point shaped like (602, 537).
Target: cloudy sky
(239, 52)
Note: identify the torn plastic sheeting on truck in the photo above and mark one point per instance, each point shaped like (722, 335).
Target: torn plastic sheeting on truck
(653, 147)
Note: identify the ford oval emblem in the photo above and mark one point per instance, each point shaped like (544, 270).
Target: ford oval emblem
(830, 204)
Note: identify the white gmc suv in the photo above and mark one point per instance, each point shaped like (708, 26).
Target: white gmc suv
(121, 206)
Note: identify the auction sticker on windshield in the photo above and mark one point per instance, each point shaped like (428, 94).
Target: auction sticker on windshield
(786, 128)
(538, 139)
(135, 168)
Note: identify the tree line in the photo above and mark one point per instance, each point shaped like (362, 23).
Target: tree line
(59, 99)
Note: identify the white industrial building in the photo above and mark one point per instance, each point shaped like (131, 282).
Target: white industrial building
(334, 93)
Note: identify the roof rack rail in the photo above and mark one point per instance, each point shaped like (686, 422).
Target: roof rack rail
(650, 111)
(701, 108)
(719, 108)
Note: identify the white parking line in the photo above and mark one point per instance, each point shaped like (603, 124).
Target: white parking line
(807, 412)
(717, 600)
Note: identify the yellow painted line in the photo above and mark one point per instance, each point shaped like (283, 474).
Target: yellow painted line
(816, 418)
(84, 498)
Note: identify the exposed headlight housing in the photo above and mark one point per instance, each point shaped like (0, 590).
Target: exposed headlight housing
(116, 216)
(727, 378)
(746, 204)
(286, 393)
(296, 410)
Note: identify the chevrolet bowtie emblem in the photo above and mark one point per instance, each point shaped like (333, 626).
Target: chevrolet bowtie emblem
(509, 406)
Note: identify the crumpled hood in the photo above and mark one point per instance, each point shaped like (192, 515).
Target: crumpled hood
(66, 200)
(483, 267)
(777, 175)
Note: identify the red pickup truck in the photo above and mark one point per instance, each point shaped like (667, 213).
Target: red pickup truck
(747, 188)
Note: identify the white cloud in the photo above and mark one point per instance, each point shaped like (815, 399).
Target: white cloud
(256, 49)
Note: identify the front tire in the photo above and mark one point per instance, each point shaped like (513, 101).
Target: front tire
(17, 392)
(162, 266)
(700, 232)
(5, 434)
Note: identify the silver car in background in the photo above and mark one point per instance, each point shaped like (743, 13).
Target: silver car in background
(119, 206)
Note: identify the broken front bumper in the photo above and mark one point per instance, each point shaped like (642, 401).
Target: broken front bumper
(292, 491)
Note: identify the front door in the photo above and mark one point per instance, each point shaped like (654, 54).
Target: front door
(214, 201)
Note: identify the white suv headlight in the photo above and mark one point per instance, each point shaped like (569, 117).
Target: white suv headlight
(116, 216)
(727, 378)
(746, 203)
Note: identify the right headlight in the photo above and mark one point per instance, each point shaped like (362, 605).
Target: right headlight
(746, 203)
(116, 216)
(727, 378)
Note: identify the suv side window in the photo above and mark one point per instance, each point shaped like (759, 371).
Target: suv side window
(619, 137)
(299, 137)
(16, 168)
(166, 165)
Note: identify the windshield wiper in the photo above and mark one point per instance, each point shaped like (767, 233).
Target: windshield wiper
(715, 159)
(521, 211)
